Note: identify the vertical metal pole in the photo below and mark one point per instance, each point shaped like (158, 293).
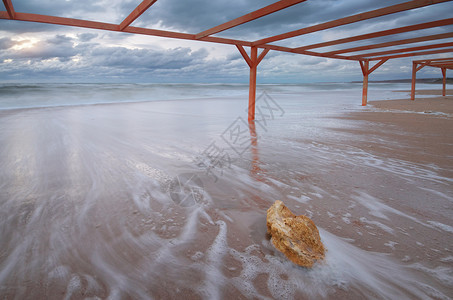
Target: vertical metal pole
(366, 66)
(252, 87)
(444, 81)
(414, 74)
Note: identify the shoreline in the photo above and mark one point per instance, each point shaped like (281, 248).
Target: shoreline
(433, 92)
(421, 124)
(10, 111)
(428, 105)
(375, 182)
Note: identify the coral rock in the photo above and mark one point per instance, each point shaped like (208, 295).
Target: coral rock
(296, 236)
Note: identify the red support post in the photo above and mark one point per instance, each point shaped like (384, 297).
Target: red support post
(252, 86)
(415, 69)
(414, 75)
(365, 67)
(444, 81)
(253, 61)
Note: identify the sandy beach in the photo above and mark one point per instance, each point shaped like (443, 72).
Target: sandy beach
(172, 150)
(434, 105)
(92, 203)
(438, 92)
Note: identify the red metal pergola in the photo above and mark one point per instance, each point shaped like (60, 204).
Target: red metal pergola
(265, 45)
(442, 63)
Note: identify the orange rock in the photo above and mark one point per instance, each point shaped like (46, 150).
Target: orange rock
(296, 236)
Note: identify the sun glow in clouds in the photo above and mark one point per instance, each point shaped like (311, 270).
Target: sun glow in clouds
(25, 43)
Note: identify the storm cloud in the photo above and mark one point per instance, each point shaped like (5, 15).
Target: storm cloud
(32, 51)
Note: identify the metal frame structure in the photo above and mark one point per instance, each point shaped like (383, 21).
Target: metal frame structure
(265, 45)
(442, 63)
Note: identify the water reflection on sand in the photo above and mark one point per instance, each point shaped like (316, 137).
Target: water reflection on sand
(85, 208)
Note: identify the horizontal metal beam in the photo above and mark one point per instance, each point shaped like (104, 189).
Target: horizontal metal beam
(151, 32)
(60, 21)
(310, 53)
(442, 66)
(396, 51)
(434, 59)
(351, 19)
(413, 54)
(427, 25)
(124, 27)
(449, 63)
(137, 12)
(394, 43)
(249, 17)
(114, 27)
(430, 64)
(9, 8)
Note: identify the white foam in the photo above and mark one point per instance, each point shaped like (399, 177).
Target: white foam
(435, 192)
(346, 267)
(302, 199)
(406, 170)
(391, 244)
(443, 274)
(211, 287)
(100, 222)
(346, 218)
(379, 209)
(441, 226)
(74, 286)
(378, 224)
(197, 256)
(447, 259)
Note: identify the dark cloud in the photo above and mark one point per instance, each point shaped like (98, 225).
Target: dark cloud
(123, 58)
(75, 53)
(60, 8)
(61, 40)
(85, 59)
(18, 27)
(6, 43)
(99, 10)
(198, 15)
(86, 37)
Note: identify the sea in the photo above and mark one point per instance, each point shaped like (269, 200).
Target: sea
(160, 191)
(13, 96)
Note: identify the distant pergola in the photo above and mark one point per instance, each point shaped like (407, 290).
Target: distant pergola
(265, 45)
(442, 63)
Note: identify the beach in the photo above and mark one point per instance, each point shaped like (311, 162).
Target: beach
(158, 199)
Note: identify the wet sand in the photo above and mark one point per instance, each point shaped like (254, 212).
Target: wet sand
(92, 205)
(437, 92)
(433, 105)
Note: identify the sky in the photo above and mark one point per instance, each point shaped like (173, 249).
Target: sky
(33, 52)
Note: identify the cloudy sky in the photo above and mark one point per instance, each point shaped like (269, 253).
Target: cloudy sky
(32, 52)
